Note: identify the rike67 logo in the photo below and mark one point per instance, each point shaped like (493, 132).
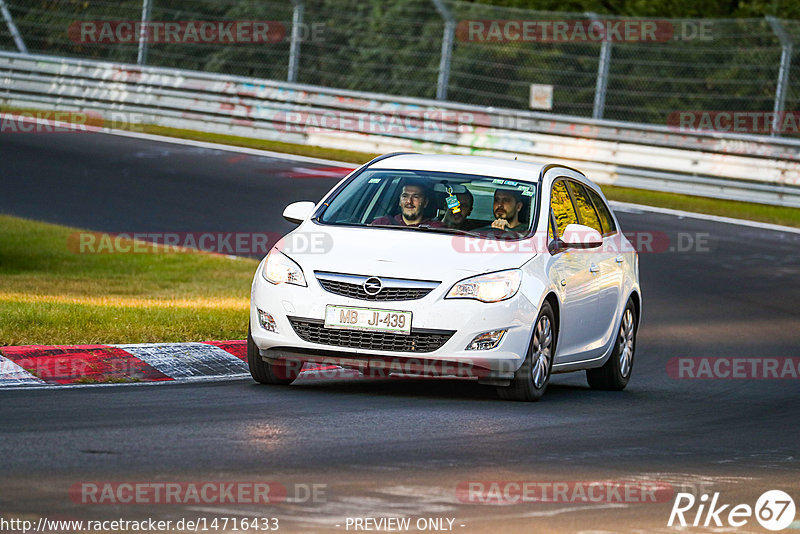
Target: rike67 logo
(774, 510)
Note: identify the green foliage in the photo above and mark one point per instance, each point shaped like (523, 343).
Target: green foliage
(788, 9)
(394, 47)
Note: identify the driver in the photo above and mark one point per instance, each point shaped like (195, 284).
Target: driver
(413, 200)
(507, 206)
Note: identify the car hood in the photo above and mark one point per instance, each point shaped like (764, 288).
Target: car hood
(397, 253)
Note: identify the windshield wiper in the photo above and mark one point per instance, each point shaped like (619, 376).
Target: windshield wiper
(446, 230)
(426, 228)
(396, 226)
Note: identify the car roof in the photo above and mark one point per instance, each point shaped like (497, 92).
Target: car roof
(479, 165)
(485, 166)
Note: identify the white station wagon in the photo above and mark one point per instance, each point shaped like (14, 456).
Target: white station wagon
(437, 265)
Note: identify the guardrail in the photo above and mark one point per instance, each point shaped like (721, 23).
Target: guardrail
(739, 167)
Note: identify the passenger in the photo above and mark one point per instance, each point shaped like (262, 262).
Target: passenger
(413, 201)
(459, 220)
(507, 206)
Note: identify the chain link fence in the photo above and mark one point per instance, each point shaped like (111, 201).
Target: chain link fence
(461, 51)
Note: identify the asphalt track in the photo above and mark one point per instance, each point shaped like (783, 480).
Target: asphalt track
(402, 447)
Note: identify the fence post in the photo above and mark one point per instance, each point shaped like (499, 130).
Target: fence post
(447, 49)
(783, 73)
(294, 48)
(12, 28)
(141, 59)
(601, 86)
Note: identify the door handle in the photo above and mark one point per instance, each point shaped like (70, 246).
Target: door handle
(593, 268)
(620, 259)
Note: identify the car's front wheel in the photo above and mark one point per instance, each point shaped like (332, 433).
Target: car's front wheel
(269, 373)
(615, 373)
(531, 379)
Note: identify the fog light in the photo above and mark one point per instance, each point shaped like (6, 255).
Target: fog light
(487, 340)
(266, 321)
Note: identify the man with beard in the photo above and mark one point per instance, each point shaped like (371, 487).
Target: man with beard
(413, 201)
(507, 205)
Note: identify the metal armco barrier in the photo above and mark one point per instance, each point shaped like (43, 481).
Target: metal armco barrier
(730, 166)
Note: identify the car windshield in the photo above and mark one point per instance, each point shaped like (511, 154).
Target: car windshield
(435, 202)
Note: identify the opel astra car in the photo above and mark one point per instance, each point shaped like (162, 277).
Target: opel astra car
(497, 270)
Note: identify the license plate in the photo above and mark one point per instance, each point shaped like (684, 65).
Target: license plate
(369, 319)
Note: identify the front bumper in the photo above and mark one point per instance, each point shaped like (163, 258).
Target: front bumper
(459, 320)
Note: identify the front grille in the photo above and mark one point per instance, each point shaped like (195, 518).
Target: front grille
(356, 291)
(314, 331)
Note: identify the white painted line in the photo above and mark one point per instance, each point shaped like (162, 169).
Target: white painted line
(635, 208)
(183, 361)
(228, 148)
(559, 511)
(623, 206)
(12, 374)
(314, 172)
(186, 142)
(291, 157)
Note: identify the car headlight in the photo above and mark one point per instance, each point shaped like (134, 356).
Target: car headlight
(279, 269)
(492, 287)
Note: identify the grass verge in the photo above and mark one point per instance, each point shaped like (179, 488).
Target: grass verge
(52, 296)
(709, 206)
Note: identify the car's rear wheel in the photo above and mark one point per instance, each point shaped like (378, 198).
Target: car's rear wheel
(615, 373)
(269, 373)
(531, 379)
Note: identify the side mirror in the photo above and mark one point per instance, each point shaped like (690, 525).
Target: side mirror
(298, 212)
(580, 236)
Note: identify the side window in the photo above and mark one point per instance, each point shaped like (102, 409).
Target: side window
(561, 204)
(385, 202)
(605, 214)
(585, 207)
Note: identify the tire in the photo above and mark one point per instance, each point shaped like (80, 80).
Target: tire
(268, 373)
(531, 379)
(615, 373)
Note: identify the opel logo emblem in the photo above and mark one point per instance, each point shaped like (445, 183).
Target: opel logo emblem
(372, 286)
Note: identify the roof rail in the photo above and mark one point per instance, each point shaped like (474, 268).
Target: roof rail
(387, 156)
